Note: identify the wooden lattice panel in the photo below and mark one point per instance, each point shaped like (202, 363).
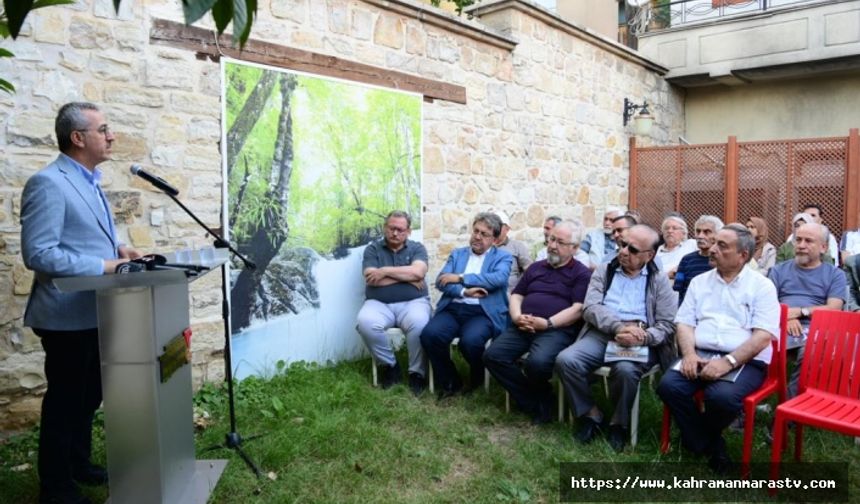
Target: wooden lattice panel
(658, 170)
(817, 175)
(762, 186)
(702, 188)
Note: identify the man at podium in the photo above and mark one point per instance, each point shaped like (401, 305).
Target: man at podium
(67, 230)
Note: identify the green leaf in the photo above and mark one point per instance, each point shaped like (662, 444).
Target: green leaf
(277, 405)
(116, 5)
(240, 19)
(222, 13)
(4, 29)
(252, 15)
(38, 4)
(7, 86)
(5, 53)
(195, 9)
(16, 12)
(267, 413)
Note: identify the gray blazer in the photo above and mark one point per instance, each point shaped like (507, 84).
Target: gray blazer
(64, 232)
(661, 305)
(852, 271)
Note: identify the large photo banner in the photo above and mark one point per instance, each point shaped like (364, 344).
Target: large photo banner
(311, 167)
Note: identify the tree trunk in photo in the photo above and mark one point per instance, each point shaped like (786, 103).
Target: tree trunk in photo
(270, 234)
(248, 117)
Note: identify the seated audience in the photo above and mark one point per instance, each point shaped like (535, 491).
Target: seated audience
(726, 323)
(806, 284)
(849, 245)
(599, 242)
(852, 271)
(545, 308)
(696, 263)
(548, 224)
(396, 296)
(628, 315)
(522, 258)
(765, 252)
(620, 225)
(817, 213)
(473, 306)
(675, 245)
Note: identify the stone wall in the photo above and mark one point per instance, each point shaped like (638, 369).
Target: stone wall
(540, 134)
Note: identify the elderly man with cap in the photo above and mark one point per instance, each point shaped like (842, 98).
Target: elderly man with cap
(518, 250)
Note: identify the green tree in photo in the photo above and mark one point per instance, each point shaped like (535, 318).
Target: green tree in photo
(313, 166)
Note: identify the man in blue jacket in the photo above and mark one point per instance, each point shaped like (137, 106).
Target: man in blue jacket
(67, 230)
(473, 307)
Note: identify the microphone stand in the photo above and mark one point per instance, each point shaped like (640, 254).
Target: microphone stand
(232, 440)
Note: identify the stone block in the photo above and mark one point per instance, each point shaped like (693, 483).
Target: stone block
(294, 10)
(362, 24)
(338, 16)
(112, 67)
(88, 33)
(168, 70)
(129, 147)
(433, 160)
(415, 38)
(126, 205)
(123, 93)
(73, 60)
(309, 40)
(389, 31)
(22, 278)
(141, 237)
(49, 26)
(29, 129)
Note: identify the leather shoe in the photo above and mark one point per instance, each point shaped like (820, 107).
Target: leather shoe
(92, 475)
(450, 390)
(391, 375)
(617, 437)
(589, 428)
(417, 384)
(542, 412)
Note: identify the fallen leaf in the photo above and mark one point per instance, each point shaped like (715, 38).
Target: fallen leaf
(272, 476)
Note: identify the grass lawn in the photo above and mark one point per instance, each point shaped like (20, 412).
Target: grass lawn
(331, 437)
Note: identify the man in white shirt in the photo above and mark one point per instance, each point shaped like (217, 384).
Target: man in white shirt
(732, 313)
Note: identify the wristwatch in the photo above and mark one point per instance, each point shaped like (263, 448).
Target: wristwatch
(549, 324)
(462, 280)
(732, 360)
(805, 312)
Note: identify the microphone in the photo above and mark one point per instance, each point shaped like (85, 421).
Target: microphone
(158, 182)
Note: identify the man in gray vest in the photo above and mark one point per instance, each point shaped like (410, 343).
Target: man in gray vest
(396, 296)
(518, 250)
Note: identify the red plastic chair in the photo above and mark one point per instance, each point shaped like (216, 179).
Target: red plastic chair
(829, 387)
(774, 383)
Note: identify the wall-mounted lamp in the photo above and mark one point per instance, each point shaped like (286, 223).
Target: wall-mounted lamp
(642, 121)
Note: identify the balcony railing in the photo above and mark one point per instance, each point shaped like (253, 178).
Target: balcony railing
(662, 14)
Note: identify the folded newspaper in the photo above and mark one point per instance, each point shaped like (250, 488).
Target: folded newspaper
(616, 352)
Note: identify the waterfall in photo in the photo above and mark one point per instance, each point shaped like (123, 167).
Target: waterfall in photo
(317, 335)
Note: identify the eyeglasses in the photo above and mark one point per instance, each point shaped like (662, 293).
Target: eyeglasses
(553, 239)
(396, 230)
(104, 130)
(630, 247)
(482, 234)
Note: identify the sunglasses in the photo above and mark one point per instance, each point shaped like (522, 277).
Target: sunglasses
(630, 247)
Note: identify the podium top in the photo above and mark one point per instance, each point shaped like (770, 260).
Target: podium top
(163, 276)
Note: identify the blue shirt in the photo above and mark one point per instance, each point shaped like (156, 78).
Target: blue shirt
(94, 178)
(691, 266)
(627, 295)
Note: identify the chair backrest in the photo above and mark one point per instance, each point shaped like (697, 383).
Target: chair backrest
(831, 360)
(776, 369)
